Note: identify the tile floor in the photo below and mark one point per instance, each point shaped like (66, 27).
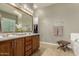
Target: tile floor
(51, 50)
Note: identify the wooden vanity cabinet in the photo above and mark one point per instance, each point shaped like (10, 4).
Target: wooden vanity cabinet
(35, 42)
(18, 47)
(6, 48)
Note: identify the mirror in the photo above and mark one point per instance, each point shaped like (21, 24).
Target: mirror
(14, 20)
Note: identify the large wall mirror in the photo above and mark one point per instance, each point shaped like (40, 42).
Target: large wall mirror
(14, 20)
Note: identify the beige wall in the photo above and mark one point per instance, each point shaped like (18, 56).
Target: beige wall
(65, 14)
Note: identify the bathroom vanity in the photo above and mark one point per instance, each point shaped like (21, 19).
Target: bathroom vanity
(14, 44)
(19, 45)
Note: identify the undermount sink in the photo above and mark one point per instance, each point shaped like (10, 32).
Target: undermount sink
(1, 37)
(11, 35)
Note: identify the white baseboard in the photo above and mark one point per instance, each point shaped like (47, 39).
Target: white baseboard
(49, 43)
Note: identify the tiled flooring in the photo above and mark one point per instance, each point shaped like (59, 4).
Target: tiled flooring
(51, 50)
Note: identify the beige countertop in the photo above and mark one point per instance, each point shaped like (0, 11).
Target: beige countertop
(11, 36)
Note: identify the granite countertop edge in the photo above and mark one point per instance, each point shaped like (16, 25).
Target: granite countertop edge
(17, 36)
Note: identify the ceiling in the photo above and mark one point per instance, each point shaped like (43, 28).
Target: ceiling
(34, 5)
(41, 5)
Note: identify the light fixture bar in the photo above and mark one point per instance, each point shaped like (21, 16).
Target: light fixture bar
(22, 9)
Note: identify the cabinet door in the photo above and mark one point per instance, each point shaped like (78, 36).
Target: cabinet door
(18, 47)
(36, 42)
(5, 48)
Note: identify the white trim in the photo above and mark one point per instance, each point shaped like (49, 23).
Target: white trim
(49, 43)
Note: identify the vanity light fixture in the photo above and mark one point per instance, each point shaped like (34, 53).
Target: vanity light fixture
(13, 4)
(27, 10)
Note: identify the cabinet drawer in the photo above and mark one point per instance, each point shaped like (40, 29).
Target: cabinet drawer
(28, 47)
(28, 39)
(29, 52)
(28, 43)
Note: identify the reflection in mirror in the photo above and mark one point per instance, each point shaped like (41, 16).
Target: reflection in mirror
(14, 20)
(8, 25)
